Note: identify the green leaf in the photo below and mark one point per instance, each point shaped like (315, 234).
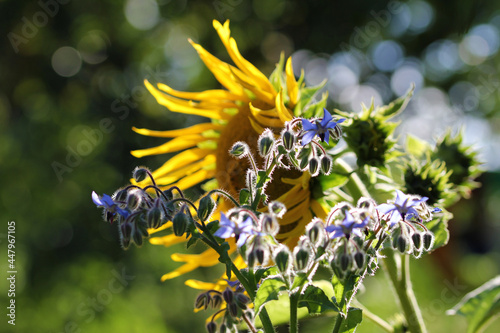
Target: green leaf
(415, 146)
(299, 280)
(269, 290)
(262, 273)
(316, 109)
(480, 305)
(343, 289)
(306, 96)
(245, 197)
(316, 301)
(262, 178)
(279, 311)
(332, 180)
(354, 318)
(396, 106)
(439, 227)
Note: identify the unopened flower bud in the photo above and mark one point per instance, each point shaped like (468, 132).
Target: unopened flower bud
(326, 164)
(201, 301)
(207, 206)
(154, 217)
(251, 259)
(233, 309)
(125, 234)
(304, 163)
(211, 327)
(344, 262)
(134, 199)
(282, 259)
(228, 295)
(121, 195)
(140, 173)
(428, 240)
(266, 143)
(301, 257)
(416, 238)
(314, 166)
(169, 194)
(239, 149)
(277, 208)
(288, 140)
(216, 301)
(315, 231)
(223, 328)
(242, 300)
(180, 223)
(359, 259)
(402, 244)
(269, 225)
(137, 236)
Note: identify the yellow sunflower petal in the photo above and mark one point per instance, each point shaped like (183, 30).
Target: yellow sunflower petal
(194, 179)
(167, 240)
(261, 94)
(207, 95)
(283, 112)
(188, 107)
(259, 115)
(182, 159)
(208, 258)
(195, 129)
(317, 209)
(291, 84)
(200, 285)
(184, 171)
(232, 49)
(180, 271)
(163, 227)
(221, 71)
(176, 144)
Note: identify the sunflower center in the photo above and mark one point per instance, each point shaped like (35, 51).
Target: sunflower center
(231, 172)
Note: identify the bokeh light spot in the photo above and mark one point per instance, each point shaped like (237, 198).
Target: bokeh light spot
(142, 15)
(66, 61)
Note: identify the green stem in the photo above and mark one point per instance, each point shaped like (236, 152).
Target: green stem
(399, 274)
(338, 323)
(294, 321)
(376, 319)
(355, 186)
(227, 195)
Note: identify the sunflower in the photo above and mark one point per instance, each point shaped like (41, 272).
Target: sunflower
(248, 104)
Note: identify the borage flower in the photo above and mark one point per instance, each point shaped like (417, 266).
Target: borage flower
(403, 207)
(110, 206)
(347, 227)
(230, 229)
(240, 112)
(322, 128)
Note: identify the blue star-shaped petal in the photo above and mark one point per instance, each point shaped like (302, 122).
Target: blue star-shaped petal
(229, 229)
(109, 205)
(321, 129)
(403, 207)
(347, 227)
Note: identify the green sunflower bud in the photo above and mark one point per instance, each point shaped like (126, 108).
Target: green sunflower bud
(207, 206)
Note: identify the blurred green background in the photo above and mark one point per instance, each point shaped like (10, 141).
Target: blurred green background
(71, 88)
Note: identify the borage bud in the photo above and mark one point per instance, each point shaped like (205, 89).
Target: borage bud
(304, 163)
(428, 240)
(202, 301)
(315, 231)
(288, 140)
(326, 164)
(233, 310)
(251, 259)
(402, 244)
(134, 199)
(228, 295)
(137, 235)
(154, 217)
(301, 257)
(125, 234)
(216, 301)
(416, 238)
(140, 173)
(169, 194)
(265, 143)
(277, 208)
(344, 262)
(269, 224)
(239, 149)
(359, 259)
(211, 327)
(242, 300)
(180, 223)
(121, 195)
(282, 259)
(206, 207)
(314, 166)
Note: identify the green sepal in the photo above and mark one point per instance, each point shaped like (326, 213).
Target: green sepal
(416, 147)
(395, 107)
(316, 109)
(306, 96)
(276, 77)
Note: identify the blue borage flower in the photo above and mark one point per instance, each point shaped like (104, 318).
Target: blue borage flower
(241, 230)
(347, 227)
(403, 207)
(109, 204)
(321, 129)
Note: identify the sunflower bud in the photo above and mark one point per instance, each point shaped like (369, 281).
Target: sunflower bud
(288, 140)
(265, 143)
(140, 173)
(428, 240)
(180, 223)
(326, 164)
(239, 149)
(154, 217)
(207, 206)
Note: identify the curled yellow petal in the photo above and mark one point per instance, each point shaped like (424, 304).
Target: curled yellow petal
(167, 240)
(176, 144)
(291, 84)
(195, 129)
(283, 112)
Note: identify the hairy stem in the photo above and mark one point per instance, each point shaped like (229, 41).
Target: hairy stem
(398, 270)
(355, 186)
(294, 321)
